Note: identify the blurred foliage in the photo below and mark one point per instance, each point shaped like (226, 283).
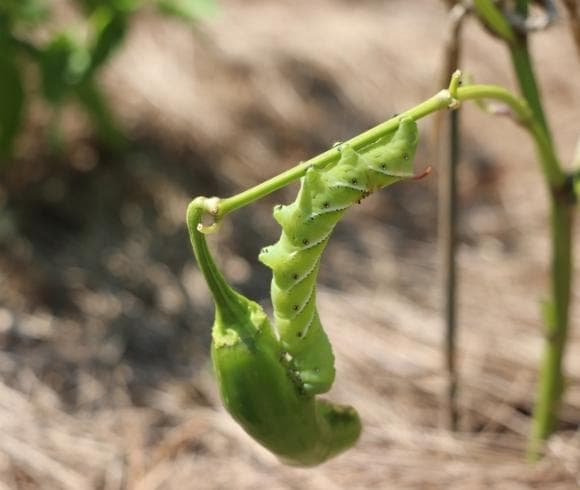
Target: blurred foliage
(67, 62)
(187, 9)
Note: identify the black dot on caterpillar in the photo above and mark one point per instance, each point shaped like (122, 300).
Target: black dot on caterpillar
(325, 204)
(295, 307)
(354, 181)
(305, 241)
(405, 156)
(295, 276)
(299, 335)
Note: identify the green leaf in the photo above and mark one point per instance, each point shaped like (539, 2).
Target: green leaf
(55, 67)
(11, 102)
(30, 12)
(188, 10)
(110, 27)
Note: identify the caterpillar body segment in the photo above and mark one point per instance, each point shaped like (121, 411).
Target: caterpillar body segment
(307, 223)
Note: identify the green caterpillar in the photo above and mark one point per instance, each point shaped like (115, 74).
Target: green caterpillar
(307, 224)
(268, 377)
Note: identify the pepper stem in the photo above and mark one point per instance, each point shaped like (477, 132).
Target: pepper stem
(227, 301)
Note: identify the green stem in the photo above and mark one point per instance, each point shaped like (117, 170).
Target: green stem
(551, 385)
(439, 101)
(523, 67)
(226, 300)
(546, 156)
(225, 206)
(494, 19)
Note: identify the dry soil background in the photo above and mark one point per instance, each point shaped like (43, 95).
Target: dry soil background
(104, 318)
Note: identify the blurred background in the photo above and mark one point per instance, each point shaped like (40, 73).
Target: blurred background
(105, 319)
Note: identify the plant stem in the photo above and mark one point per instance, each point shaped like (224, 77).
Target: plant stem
(435, 103)
(439, 101)
(549, 163)
(226, 301)
(551, 385)
(494, 19)
(523, 67)
(448, 236)
(447, 213)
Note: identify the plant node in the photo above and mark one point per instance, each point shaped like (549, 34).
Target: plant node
(209, 205)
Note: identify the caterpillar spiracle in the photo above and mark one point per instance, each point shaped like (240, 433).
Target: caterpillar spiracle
(307, 224)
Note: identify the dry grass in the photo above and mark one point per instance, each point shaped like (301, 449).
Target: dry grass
(104, 368)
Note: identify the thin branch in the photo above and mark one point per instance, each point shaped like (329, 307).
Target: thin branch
(447, 213)
(441, 100)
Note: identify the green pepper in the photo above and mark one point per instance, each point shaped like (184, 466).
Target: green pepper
(256, 382)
